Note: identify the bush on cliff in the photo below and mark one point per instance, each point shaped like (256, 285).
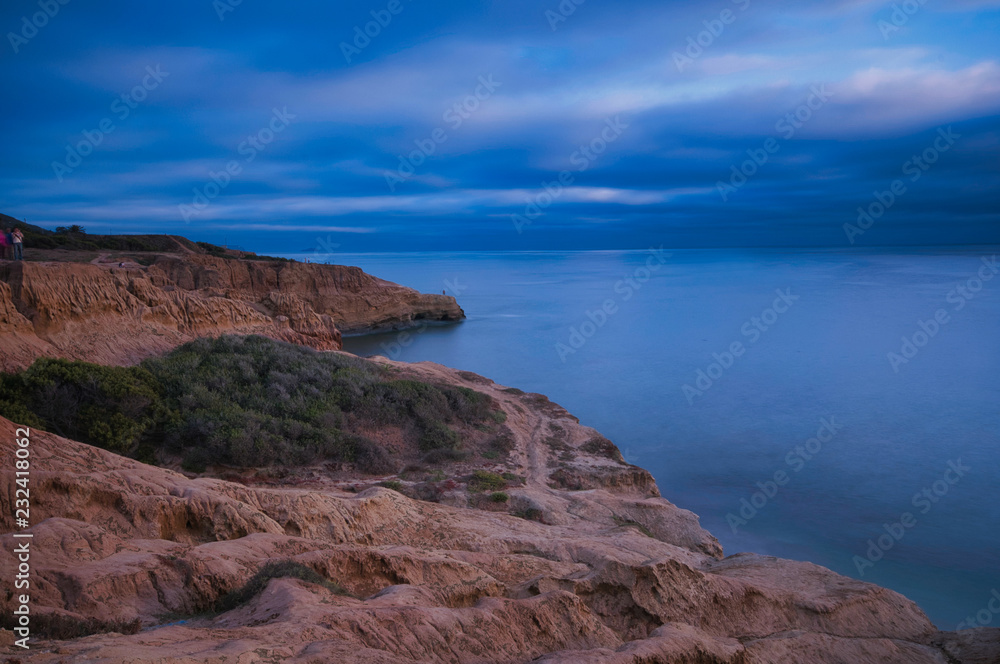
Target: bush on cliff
(242, 401)
(278, 569)
(110, 407)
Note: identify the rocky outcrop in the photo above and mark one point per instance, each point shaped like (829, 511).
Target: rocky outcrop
(600, 570)
(119, 316)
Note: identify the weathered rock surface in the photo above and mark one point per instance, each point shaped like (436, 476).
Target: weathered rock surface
(120, 316)
(606, 571)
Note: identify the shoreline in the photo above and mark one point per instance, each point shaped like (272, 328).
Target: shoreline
(626, 382)
(593, 562)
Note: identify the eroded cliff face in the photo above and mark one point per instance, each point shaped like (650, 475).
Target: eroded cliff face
(603, 570)
(119, 316)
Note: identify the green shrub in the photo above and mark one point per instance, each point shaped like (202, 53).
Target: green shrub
(503, 442)
(437, 436)
(601, 446)
(468, 405)
(483, 480)
(242, 401)
(369, 457)
(444, 455)
(109, 407)
(499, 497)
(395, 485)
(555, 444)
(195, 460)
(19, 413)
(279, 569)
(77, 238)
(60, 627)
(213, 249)
(511, 478)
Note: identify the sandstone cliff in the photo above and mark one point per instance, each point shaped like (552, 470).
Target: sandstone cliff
(119, 316)
(585, 563)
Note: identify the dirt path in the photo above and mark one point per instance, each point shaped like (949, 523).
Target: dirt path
(537, 464)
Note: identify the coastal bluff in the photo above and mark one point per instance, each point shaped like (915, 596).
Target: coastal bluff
(583, 562)
(99, 312)
(531, 539)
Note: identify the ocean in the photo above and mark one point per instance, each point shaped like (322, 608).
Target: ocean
(838, 408)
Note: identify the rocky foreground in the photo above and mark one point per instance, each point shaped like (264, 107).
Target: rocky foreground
(99, 312)
(584, 563)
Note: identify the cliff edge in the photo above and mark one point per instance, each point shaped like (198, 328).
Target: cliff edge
(106, 314)
(579, 561)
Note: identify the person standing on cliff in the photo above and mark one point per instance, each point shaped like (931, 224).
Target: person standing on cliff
(18, 244)
(5, 242)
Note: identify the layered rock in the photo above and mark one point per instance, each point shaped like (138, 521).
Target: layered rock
(602, 570)
(119, 316)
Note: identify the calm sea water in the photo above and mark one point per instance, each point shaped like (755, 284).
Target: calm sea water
(615, 337)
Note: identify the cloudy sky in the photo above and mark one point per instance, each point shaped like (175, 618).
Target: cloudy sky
(521, 124)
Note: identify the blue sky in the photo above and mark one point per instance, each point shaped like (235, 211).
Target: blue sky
(506, 125)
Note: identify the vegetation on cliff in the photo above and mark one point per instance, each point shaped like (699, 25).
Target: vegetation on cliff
(274, 569)
(242, 401)
(76, 238)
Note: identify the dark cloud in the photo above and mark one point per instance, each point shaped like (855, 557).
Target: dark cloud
(504, 97)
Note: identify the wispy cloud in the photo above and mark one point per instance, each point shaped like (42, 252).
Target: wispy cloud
(356, 121)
